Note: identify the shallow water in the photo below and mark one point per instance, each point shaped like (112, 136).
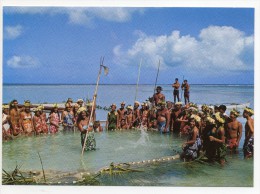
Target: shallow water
(62, 152)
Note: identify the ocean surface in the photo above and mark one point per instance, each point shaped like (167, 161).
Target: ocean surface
(61, 152)
(108, 94)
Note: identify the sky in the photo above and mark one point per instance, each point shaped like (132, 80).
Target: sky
(63, 45)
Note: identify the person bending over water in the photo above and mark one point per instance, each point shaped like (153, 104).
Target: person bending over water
(86, 129)
(191, 148)
(249, 133)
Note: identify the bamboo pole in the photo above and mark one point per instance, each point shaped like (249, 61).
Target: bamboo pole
(137, 84)
(156, 80)
(181, 87)
(94, 102)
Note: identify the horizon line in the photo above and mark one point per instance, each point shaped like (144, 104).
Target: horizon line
(110, 84)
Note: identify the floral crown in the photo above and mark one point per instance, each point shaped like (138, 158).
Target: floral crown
(196, 117)
(81, 109)
(249, 110)
(235, 112)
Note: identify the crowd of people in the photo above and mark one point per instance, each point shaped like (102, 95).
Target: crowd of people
(208, 130)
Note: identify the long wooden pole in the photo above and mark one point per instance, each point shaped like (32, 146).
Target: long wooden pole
(94, 103)
(156, 80)
(137, 84)
(181, 87)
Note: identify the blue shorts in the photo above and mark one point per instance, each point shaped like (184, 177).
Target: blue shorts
(161, 126)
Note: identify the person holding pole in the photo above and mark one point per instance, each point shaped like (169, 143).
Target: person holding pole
(90, 124)
(86, 129)
(176, 87)
(186, 87)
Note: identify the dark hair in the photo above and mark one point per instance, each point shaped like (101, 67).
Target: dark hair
(52, 111)
(222, 107)
(185, 80)
(176, 79)
(11, 104)
(159, 87)
(80, 117)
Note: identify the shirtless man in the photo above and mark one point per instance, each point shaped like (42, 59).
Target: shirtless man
(14, 118)
(129, 117)
(176, 112)
(249, 133)
(163, 118)
(158, 96)
(152, 120)
(176, 87)
(26, 120)
(234, 131)
(186, 87)
(121, 112)
(136, 115)
(144, 115)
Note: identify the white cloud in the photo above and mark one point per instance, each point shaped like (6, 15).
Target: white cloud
(79, 15)
(23, 62)
(12, 32)
(218, 49)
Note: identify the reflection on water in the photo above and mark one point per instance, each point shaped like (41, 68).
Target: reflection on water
(62, 152)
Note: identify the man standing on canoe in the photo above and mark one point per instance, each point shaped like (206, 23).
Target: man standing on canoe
(186, 87)
(158, 96)
(176, 87)
(249, 133)
(234, 131)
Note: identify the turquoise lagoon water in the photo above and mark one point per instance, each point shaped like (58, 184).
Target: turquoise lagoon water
(62, 152)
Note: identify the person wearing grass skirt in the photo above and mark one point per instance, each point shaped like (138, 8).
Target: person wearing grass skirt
(86, 130)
